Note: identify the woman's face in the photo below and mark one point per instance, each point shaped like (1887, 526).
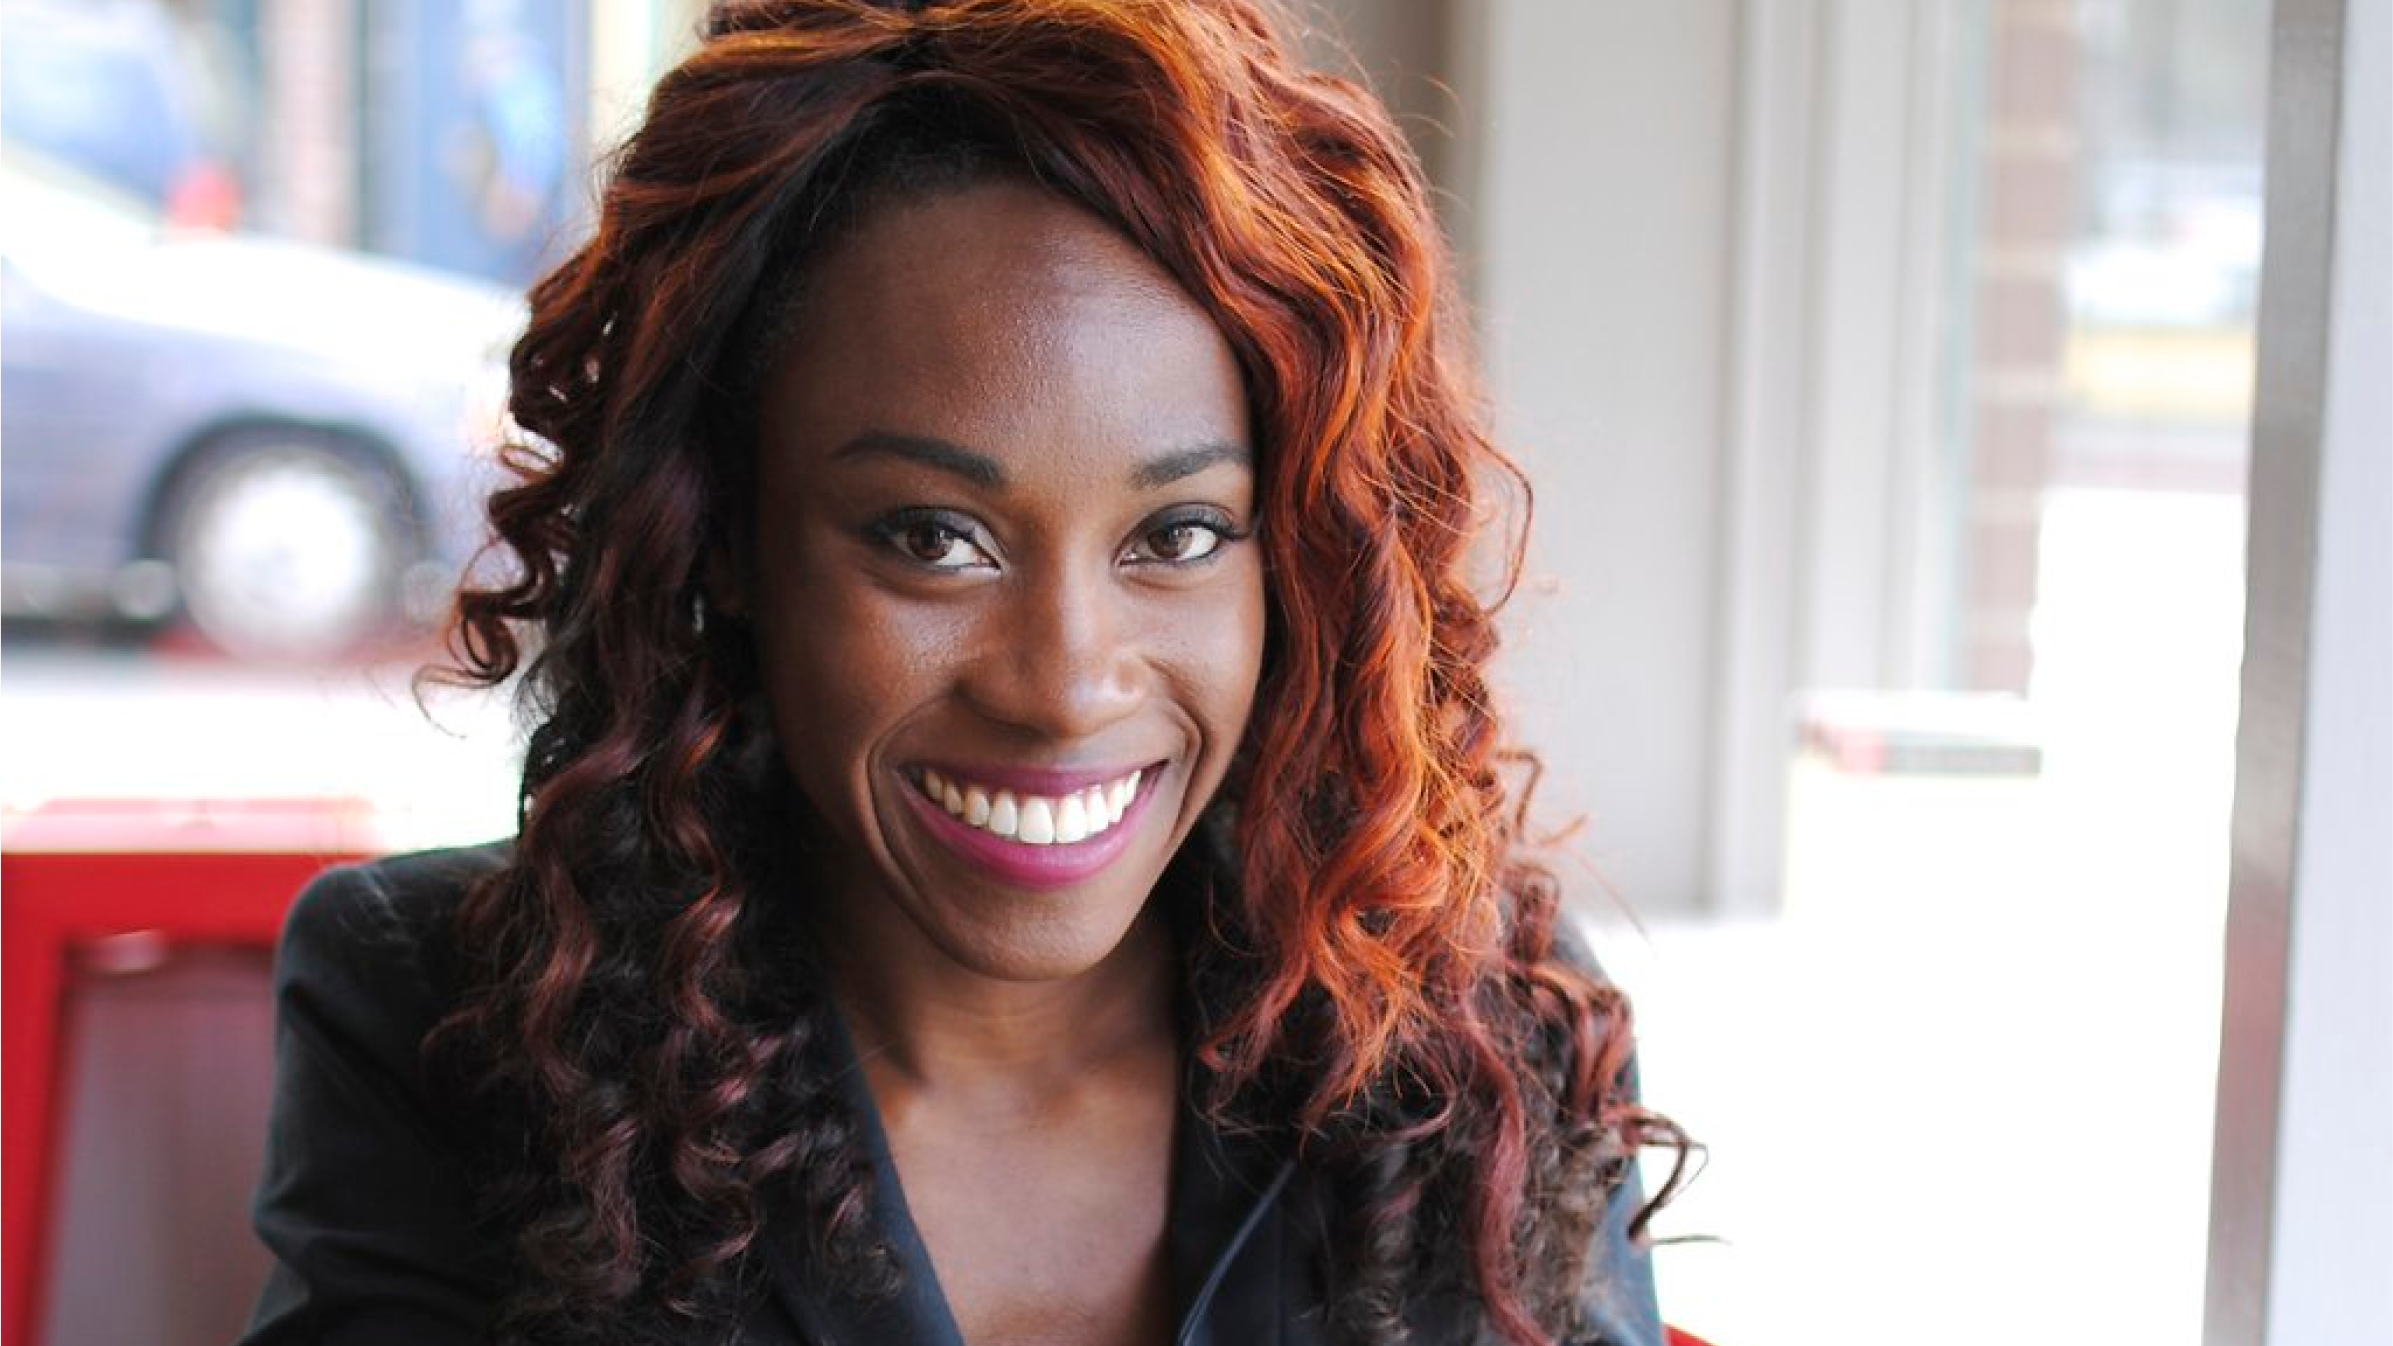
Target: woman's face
(1008, 606)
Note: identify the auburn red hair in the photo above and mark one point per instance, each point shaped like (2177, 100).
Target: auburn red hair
(1376, 964)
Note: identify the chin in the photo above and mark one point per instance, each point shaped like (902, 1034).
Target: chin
(1058, 947)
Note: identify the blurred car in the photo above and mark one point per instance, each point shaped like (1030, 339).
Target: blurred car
(129, 91)
(285, 445)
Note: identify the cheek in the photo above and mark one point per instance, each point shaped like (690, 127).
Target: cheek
(843, 665)
(1221, 651)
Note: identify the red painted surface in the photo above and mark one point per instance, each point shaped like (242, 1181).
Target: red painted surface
(78, 876)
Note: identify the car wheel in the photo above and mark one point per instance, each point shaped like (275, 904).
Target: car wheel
(289, 545)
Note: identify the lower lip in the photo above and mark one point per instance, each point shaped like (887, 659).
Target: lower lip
(1021, 865)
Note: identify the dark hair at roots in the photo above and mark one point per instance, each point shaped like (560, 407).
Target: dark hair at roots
(1377, 982)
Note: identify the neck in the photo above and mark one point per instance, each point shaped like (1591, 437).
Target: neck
(939, 1026)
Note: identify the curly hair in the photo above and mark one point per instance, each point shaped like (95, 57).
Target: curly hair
(1375, 966)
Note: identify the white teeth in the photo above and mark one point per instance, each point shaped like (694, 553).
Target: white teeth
(1071, 819)
(1038, 823)
(1035, 820)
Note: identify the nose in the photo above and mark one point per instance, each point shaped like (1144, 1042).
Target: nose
(1059, 658)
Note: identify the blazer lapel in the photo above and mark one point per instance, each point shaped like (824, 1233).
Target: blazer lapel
(824, 1315)
(1225, 1237)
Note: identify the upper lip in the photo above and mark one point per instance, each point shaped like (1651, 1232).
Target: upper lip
(1035, 780)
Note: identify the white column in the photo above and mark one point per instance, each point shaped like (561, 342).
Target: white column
(631, 44)
(308, 107)
(2301, 1239)
(1832, 575)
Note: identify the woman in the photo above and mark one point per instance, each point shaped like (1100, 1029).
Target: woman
(1013, 847)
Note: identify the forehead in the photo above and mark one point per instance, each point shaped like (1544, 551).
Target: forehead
(1006, 319)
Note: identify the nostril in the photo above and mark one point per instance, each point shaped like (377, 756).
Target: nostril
(1059, 689)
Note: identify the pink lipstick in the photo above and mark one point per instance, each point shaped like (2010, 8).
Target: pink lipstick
(1033, 829)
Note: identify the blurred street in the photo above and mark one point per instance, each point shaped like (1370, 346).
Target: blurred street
(81, 724)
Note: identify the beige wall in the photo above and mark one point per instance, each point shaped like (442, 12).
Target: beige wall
(1603, 232)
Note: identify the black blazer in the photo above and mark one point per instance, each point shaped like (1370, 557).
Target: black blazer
(366, 1208)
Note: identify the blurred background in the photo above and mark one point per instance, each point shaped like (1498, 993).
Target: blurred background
(1885, 371)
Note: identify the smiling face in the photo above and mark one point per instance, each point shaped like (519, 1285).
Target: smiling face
(1008, 606)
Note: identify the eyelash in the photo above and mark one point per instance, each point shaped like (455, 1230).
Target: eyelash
(1214, 521)
(892, 532)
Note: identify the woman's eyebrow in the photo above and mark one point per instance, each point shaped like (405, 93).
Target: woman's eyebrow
(1171, 467)
(985, 472)
(978, 468)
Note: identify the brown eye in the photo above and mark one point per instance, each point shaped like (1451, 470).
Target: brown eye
(1185, 539)
(932, 542)
(1182, 542)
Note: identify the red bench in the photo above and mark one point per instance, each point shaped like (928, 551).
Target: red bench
(123, 877)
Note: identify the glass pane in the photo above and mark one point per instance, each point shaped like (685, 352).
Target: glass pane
(263, 262)
(1984, 1113)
